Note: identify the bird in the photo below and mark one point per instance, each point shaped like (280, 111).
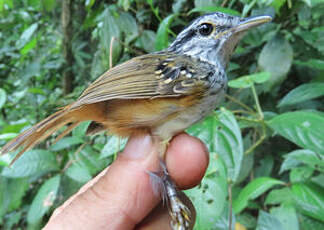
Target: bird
(160, 93)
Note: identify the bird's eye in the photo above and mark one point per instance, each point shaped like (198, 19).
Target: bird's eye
(205, 29)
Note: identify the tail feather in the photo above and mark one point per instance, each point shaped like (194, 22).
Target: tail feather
(41, 131)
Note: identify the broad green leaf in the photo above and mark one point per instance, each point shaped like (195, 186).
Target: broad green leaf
(276, 57)
(310, 223)
(90, 159)
(29, 46)
(78, 173)
(3, 97)
(211, 9)
(128, 25)
(26, 35)
(228, 142)
(113, 146)
(287, 215)
(312, 63)
(49, 5)
(277, 4)
(254, 189)
(309, 199)
(302, 156)
(4, 201)
(80, 130)
(66, 142)
(16, 190)
(7, 136)
(303, 93)
(247, 80)
(147, 41)
(303, 128)
(222, 135)
(31, 163)
(209, 198)
(222, 223)
(277, 196)
(247, 220)
(109, 30)
(299, 174)
(43, 200)
(162, 35)
(267, 221)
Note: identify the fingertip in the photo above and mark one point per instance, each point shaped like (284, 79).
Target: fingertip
(187, 159)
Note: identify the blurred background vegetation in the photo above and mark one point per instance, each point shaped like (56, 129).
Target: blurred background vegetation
(266, 142)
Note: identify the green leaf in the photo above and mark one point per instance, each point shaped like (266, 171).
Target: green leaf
(300, 174)
(267, 221)
(277, 196)
(4, 201)
(31, 163)
(209, 198)
(303, 93)
(113, 146)
(7, 136)
(80, 130)
(254, 189)
(109, 30)
(302, 156)
(43, 200)
(49, 5)
(162, 35)
(29, 46)
(222, 135)
(128, 25)
(3, 97)
(247, 80)
(65, 143)
(26, 35)
(287, 215)
(78, 173)
(311, 63)
(309, 199)
(301, 127)
(211, 9)
(147, 41)
(310, 223)
(16, 190)
(276, 57)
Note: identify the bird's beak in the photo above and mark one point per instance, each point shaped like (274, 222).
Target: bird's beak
(251, 22)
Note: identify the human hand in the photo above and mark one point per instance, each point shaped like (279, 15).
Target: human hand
(121, 196)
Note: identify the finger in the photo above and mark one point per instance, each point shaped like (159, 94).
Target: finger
(123, 196)
(187, 160)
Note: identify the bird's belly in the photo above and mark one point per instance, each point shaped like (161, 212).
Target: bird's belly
(188, 117)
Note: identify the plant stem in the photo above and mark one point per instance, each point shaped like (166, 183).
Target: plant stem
(257, 143)
(239, 103)
(229, 187)
(258, 107)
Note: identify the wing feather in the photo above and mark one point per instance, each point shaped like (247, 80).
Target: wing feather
(147, 76)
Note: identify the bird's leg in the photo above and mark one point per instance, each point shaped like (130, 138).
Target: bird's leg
(163, 184)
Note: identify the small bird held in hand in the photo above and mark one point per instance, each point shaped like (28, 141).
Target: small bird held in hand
(161, 93)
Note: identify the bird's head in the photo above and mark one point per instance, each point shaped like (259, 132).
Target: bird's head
(213, 37)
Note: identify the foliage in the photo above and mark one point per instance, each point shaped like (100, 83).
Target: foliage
(266, 162)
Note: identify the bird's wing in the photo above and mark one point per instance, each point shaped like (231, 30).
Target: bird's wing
(148, 76)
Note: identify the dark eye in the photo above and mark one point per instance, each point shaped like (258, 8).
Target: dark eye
(205, 29)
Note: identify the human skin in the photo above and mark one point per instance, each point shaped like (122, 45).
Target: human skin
(121, 196)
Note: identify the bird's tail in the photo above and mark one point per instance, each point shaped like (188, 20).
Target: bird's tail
(41, 131)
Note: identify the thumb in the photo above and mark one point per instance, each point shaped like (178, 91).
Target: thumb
(119, 197)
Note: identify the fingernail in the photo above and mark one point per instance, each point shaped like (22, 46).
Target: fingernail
(138, 146)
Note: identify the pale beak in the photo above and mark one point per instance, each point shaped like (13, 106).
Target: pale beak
(251, 22)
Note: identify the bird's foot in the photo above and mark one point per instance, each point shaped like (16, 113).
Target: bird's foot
(179, 212)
